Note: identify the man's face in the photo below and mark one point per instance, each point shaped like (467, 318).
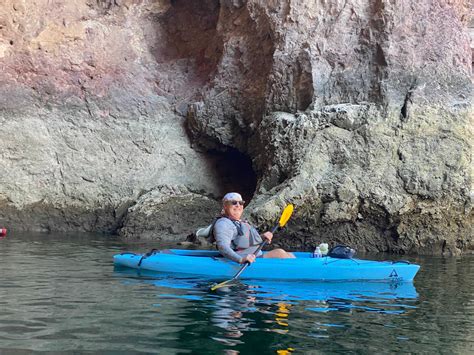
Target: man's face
(234, 209)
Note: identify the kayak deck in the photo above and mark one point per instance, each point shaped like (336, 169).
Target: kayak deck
(211, 264)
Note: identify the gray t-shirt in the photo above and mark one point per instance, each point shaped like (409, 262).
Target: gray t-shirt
(229, 239)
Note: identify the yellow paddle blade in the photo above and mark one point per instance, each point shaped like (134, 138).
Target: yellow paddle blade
(222, 284)
(285, 216)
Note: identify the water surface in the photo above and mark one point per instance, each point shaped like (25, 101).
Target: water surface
(61, 293)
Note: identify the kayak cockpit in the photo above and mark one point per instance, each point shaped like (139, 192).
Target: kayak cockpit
(214, 253)
(202, 253)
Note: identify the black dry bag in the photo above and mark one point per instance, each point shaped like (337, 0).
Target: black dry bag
(341, 252)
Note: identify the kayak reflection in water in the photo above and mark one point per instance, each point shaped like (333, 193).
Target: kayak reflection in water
(236, 239)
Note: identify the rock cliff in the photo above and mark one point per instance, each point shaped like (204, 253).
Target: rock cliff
(137, 115)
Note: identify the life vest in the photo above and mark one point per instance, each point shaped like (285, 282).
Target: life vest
(242, 241)
(247, 236)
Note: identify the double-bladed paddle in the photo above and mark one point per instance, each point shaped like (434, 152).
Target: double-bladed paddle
(285, 216)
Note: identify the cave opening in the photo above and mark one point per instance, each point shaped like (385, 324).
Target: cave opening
(235, 172)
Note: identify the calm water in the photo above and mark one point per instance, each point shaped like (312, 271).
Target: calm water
(61, 293)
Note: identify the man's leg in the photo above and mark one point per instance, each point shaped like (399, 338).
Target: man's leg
(278, 254)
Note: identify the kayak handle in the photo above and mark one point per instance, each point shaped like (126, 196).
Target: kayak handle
(150, 253)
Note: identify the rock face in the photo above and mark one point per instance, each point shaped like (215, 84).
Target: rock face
(166, 214)
(358, 112)
(364, 122)
(88, 107)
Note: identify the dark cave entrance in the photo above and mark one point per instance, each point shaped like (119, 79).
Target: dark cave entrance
(188, 47)
(235, 172)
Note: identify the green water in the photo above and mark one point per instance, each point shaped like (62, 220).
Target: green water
(60, 293)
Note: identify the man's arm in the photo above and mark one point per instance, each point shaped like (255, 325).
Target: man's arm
(224, 232)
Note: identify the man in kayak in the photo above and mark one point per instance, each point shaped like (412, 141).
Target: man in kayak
(237, 240)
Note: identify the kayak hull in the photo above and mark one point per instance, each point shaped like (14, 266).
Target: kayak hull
(209, 264)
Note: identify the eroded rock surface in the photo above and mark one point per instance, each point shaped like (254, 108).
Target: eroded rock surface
(366, 124)
(88, 106)
(358, 112)
(168, 213)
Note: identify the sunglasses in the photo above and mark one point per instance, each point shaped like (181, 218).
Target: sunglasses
(235, 203)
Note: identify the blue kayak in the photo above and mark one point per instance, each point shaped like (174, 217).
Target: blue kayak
(210, 264)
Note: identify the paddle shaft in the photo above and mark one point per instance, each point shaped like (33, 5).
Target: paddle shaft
(285, 216)
(254, 253)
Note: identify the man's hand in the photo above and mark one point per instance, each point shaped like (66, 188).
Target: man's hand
(268, 236)
(250, 258)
